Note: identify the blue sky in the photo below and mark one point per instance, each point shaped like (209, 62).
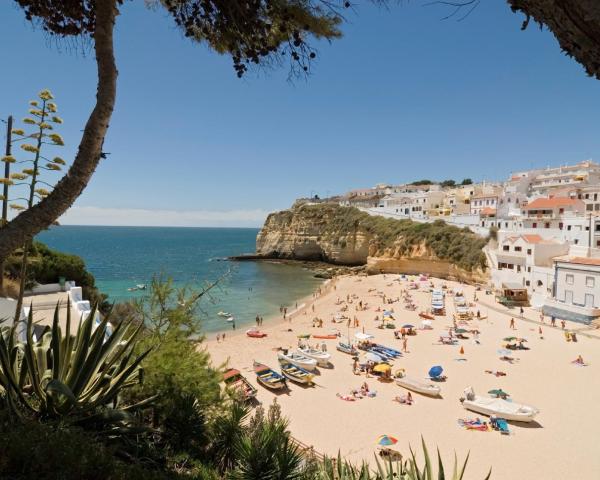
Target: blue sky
(404, 95)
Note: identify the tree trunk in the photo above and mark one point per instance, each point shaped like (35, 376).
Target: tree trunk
(574, 23)
(44, 214)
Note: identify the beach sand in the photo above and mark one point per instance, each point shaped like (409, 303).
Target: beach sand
(562, 443)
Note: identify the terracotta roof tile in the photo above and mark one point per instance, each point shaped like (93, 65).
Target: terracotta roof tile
(583, 260)
(543, 203)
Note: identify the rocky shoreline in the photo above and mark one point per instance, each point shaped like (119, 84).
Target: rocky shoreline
(320, 269)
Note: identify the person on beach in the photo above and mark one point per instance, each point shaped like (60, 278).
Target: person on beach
(542, 317)
(541, 333)
(355, 366)
(233, 324)
(257, 320)
(553, 321)
(521, 311)
(562, 324)
(578, 360)
(512, 324)
(405, 344)
(218, 338)
(223, 337)
(323, 347)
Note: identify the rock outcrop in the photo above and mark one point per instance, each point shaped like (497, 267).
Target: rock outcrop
(346, 236)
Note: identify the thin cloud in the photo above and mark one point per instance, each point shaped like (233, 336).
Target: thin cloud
(163, 218)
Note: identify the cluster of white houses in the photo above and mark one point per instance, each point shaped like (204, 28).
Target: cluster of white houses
(547, 251)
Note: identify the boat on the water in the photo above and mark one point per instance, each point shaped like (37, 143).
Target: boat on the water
(255, 333)
(419, 386)
(224, 314)
(230, 319)
(236, 382)
(297, 359)
(268, 377)
(322, 358)
(499, 407)
(347, 348)
(296, 374)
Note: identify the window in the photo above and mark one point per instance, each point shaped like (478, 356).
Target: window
(560, 225)
(587, 196)
(518, 268)
(590, 281)
(561, 210)
(569, 228)
(529, 251)
(528, 269)
(539, 283)
(547, 225)
(527, 283)
(506, 248)
(570, 279)
(595, 196)
(518, 249)
(534, 225)
(589, 207)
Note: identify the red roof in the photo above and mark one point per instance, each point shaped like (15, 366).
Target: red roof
(488, 211)
(528, 238)
(584, 261)
(546, 203)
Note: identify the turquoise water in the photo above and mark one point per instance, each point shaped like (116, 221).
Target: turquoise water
(122, 257)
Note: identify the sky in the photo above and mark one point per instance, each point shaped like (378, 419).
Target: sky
(404, 95)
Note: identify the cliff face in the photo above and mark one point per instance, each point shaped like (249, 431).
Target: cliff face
(346, 236)
(302, 234)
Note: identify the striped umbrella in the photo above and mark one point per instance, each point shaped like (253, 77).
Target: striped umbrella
(385, 440)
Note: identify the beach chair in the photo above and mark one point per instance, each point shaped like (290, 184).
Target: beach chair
(502, 426)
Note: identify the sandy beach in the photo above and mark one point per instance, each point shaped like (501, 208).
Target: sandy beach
(561, 443)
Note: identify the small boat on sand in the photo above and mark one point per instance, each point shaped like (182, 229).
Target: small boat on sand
(297, 359)
(347, 348)
(236, 382)
(268, 377)
(326, 337)
(321, 357)
(499, 407)
(255, 333)
(426, 316)
(296, 374)
(418, 386)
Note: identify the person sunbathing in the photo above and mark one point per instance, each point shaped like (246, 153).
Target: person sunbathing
(404, 399)
(348, 398)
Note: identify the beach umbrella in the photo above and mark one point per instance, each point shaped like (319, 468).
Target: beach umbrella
(498, 392)
(382, 368)
(408, 325)
(435, 371)
(504, 351)
(372, 357)
(385, 440)
(387, 313)
(509, 339)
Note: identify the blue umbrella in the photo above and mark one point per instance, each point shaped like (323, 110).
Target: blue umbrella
(435, 371)
(408, 325)
(387, 313)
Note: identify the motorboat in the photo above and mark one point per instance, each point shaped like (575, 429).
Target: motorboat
(255, 333)
(230, 319)
(297, 359)
(236, 382)
(418, 386)
(331, 336)
(321, 357)
(499, 407)
(268, 377)
(224, 314)
(347, 348)
(296, 374)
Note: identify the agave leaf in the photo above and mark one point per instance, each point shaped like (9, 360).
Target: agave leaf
(56, 340)
(441, 474)
(81, 350)
(56, 387)
(462, 470)
(32, 364)
(427, 470)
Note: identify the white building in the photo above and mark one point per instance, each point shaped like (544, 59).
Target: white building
(586, 172)
(576, 294)
(526, 260)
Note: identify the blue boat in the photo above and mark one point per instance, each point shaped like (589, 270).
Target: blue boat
(268, 377)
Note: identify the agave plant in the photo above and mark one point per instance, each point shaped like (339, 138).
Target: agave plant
(62, 376)
(398, 470)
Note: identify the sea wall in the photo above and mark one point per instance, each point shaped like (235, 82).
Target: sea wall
(346, 236)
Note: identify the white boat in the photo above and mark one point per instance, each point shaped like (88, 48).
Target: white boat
(419, 387)
(347, 348)
(298, 360)
(224, 314)
(230, 319)
(485, 405)
(321, 357)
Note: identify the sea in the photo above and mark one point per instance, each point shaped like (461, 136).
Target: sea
(120, 258)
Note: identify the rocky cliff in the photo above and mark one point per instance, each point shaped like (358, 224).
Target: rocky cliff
(347, 236)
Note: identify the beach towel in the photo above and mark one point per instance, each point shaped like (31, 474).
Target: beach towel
(347, 398)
